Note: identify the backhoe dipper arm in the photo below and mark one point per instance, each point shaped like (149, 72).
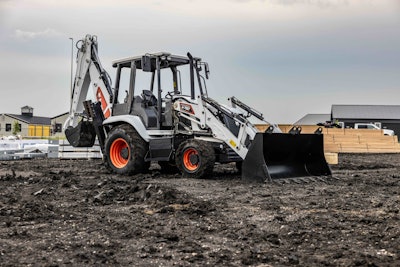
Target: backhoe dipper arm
(89, 73)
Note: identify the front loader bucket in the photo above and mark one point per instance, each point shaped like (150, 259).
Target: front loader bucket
(278, 156)
(83, 135)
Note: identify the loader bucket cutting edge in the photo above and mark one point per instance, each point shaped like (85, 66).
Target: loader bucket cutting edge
(278, 156)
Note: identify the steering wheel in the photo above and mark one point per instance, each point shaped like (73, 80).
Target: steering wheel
(169, 95)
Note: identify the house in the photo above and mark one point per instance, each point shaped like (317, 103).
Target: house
(28, 124)
(313, 119)
(57, 123)
(384, 116)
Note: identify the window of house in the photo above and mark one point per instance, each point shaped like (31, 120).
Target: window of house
(58, 128)
(8, 127)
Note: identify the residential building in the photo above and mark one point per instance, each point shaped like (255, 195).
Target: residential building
(383, 116)
(28, 124)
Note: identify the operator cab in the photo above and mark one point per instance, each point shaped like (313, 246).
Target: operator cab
(145, 85)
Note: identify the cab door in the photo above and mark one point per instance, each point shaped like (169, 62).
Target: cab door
(124, 87)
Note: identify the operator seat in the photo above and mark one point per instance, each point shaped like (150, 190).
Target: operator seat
(149, 100)
(145, 106)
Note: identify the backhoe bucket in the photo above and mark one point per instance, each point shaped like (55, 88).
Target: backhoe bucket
(83, 135)
(274, 156)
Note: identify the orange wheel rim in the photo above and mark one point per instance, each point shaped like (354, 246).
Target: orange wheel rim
(119, 153)
(189, 165)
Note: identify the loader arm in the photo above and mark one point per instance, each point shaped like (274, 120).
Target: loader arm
(199, 112)
(266, 156)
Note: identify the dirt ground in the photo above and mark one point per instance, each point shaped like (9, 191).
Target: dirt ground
(74, 212)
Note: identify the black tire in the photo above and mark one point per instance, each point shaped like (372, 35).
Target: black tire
(168, 167)
(125, 151)
(195, 158)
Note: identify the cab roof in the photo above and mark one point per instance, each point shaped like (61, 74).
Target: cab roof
(171, 60)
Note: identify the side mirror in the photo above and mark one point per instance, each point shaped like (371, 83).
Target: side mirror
(207, 70)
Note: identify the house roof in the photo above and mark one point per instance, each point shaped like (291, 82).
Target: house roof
(31, 119)
(313, 119)
(65, 113)
(27, 107)
(389, 112)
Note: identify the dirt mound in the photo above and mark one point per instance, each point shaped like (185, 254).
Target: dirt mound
(74, 212)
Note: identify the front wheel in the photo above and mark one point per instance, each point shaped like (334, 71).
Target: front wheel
(125, 151)
(195, 158)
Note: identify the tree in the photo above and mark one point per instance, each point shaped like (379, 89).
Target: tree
(16, 128)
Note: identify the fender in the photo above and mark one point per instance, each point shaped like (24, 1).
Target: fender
(133, 120)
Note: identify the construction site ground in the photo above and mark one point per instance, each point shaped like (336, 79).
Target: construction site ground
(74, 212)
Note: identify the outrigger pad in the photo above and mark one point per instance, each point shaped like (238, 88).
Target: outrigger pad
(278, 156)
(83, 135)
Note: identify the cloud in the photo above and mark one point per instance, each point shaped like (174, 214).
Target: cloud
(306, 53)
(319, 3)
(330, 4)
(28, 35)
(3, 2)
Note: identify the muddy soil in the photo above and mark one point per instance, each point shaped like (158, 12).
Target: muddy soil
(74, 212)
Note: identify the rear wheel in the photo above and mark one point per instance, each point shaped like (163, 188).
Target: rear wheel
(125, 151)
(195, 158)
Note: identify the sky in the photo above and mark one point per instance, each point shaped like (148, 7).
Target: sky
(285, 58)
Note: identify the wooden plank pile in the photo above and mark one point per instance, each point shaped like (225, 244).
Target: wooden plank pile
(66, 151)
(350, 140)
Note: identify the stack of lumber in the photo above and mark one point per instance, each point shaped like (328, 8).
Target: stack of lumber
(360, 141)
(350, 140)
(66, 151)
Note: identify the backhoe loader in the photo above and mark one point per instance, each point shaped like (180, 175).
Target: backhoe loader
(159, 111)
